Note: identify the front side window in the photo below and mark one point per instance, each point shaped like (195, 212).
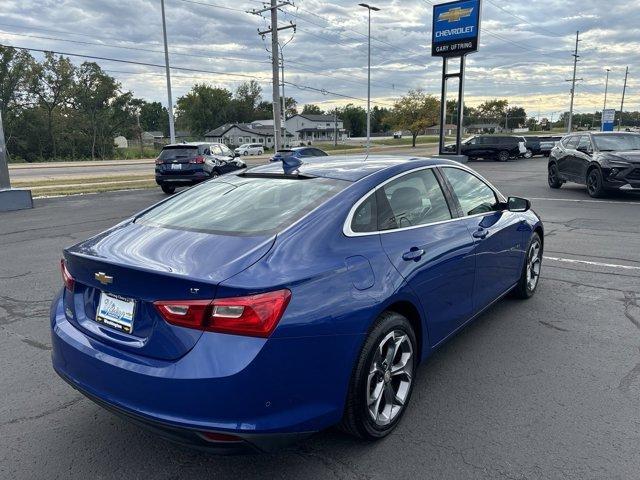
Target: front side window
(571, 142)
(413, 199)
(584, 143)
(474, 195)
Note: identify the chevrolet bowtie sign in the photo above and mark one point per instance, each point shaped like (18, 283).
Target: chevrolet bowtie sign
(456, 27)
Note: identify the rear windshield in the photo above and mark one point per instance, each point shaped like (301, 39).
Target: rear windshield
(617, 142)
(252, 206)
(172, 153)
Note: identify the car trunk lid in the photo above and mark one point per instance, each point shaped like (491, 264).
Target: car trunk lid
(138, 264)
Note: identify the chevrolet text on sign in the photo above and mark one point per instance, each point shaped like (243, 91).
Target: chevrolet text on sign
(455, 28)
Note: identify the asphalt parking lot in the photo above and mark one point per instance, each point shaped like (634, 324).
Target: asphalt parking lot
(545, 388)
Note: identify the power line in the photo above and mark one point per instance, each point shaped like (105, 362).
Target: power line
(132, 62)
(538, 27)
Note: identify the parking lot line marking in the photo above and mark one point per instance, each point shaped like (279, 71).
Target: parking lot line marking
(579, 200)
(595, 264)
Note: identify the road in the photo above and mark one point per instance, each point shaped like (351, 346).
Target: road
(537, 389)
(124, 168)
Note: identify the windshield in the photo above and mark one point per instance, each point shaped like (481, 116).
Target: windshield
(171, 153)
(617, 142)
(252, 206)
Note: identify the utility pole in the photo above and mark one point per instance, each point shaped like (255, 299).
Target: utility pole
(375, 9)
(335, 127)
(573, 83)
(624, 90)
(284, 104)
(275, 67)
(172, 131)
(5, 183)
(606, 87)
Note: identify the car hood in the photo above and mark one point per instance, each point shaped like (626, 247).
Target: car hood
(632, 156)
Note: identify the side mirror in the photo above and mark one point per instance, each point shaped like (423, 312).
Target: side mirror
(585, 150)
(517, 204)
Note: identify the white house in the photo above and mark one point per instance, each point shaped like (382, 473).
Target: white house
(236, 134)
(314, 127)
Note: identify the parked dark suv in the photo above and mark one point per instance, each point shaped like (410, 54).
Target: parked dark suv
(602, 161)
(499, 147)
(184, 164)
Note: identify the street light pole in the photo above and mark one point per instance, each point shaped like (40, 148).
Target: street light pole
(606, 87)
(375, 9)
(172, 131)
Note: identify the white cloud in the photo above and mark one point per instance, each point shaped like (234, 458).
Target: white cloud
(525, 58)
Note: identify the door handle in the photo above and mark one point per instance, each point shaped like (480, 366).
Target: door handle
(414, 254)
(480, 233)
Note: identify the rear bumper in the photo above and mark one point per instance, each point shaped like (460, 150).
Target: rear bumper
(268, 392)
(181, 179)
(194, 438)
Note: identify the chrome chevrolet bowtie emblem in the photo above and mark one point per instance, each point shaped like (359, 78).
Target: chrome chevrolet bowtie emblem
(103, 278)
(455, 14)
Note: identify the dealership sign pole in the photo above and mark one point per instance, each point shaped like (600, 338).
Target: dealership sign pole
(10, 198)
(455, 33)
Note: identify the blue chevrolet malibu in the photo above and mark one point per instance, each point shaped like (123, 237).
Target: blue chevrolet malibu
(260, 306)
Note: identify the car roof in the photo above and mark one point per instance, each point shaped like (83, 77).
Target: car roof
(351, 168)
(186, 144)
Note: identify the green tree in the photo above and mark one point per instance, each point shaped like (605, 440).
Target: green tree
(204, 108)
(515, 117)
(415, 112)
(379, 120)
(52, 85)
(311, 109)
(493, 110)
(93, 93)
(355, 120)
(154, 117)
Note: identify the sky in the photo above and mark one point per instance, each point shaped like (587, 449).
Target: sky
(525, 50)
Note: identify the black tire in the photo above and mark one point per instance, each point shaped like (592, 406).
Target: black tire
(245, 153)
(553, 176)
(594, 181)
(168, 189)
(357, 419)
(528, 153)
(503, 156)
(530, 277)
(214, 174)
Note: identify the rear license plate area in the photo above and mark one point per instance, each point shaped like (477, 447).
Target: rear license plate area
(116, 312)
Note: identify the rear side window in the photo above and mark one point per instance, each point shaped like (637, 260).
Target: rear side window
(365, 218)
(250, 206)
(413, 199)
(174, 153)
(474, 195)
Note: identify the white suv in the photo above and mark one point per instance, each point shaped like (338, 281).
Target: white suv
(250, 149)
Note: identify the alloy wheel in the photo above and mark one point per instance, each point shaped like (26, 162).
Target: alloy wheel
(593, 182)
(390, 377)
(534, 263)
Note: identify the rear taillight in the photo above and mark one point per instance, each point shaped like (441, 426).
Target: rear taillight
(67, 279)
(197, 159)
(254, 315)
